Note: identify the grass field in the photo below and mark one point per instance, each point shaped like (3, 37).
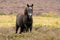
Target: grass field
(44, 28)
(9, 21)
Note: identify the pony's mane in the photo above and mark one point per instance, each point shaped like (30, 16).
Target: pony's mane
(25, 11)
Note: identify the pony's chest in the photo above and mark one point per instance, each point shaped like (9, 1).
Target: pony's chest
(28, 21)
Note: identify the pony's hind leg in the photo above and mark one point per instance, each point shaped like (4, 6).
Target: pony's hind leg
(17, 27)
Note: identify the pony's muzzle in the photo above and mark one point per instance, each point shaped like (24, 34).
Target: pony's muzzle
(30, 15)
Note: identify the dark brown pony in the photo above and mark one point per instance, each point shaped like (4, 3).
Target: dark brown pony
(24, 21)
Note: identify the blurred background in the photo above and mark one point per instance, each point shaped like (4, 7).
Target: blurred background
(40, 6)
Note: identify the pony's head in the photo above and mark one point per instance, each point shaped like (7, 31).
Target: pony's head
(29, 10)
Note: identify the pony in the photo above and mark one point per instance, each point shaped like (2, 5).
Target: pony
(25, 21)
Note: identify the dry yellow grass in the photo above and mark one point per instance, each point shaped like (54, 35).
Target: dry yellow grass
(9, 21)
(38, 33)
(46, 21)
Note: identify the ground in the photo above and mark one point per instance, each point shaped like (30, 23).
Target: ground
(44, 28)
(38, 33)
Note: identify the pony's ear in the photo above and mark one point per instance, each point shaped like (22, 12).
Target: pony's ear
(32, 5)
(27, 5)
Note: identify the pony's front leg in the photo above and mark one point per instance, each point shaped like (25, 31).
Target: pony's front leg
(27, 29)
(30, 28)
